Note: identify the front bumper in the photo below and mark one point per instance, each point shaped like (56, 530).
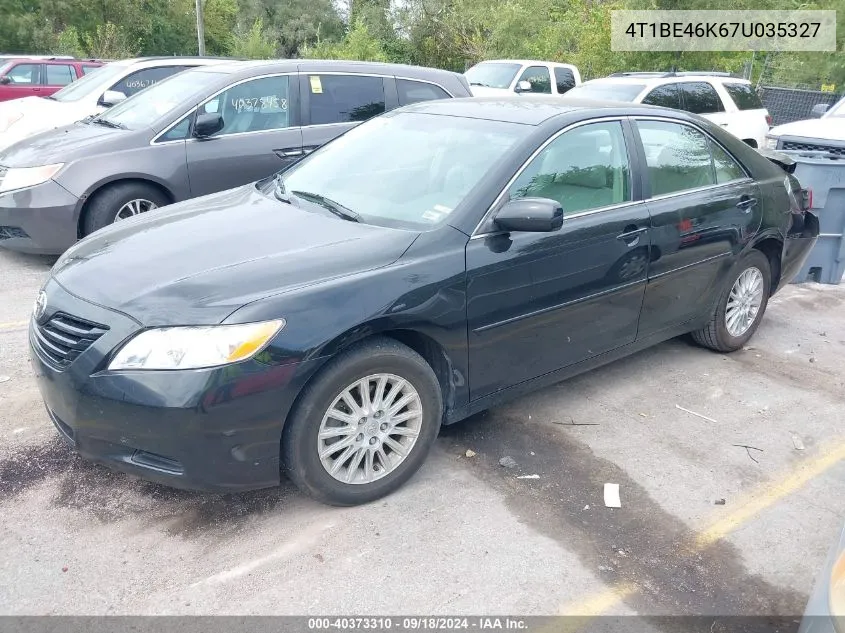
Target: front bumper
(211, 429)
(40, 219)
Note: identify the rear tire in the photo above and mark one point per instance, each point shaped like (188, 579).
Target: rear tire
(740, 308)
(120, 201)
(372, 436)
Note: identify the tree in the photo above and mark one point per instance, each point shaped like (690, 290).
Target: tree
(110, 41)
(254, 44)
(359, 44)
(294, 23)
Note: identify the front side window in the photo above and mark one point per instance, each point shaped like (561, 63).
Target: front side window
(137, 81)
(539, 78)
(666, 96)
(677, 156)
(744, 96)
(252, 106)
(701, 98)
(344, 98)
(565, 79)
(492, 74)
(584, 168)
(415, 91)
(25, 74)
(60, 74)
(405, 169)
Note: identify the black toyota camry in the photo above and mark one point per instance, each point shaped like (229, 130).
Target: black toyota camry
(426, 265)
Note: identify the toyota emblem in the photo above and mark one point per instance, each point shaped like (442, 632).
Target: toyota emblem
(40, 305)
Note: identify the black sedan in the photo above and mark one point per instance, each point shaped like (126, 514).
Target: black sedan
(426, 265)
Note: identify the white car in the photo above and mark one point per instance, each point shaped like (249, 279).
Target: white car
(825, 134)
(93, 93)
(506, 76)
(725, 100)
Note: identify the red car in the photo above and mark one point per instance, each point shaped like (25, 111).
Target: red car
(40, 77)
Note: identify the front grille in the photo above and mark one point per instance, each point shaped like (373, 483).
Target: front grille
(61, 339)
(8, 232)
(814, 147)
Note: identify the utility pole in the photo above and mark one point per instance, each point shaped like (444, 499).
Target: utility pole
(200, 28)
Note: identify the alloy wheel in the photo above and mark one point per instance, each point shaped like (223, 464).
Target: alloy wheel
(744, 302)
(133, 208)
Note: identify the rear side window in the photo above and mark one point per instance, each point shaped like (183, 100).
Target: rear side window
(137, 81)
(564, 79)
(25, 74)
(744, 96)
(89, 69)
(60, 74)
(539, 78)
(413, 91)
(701, 98)
(667, 96)
(678, 157)
(344, 98)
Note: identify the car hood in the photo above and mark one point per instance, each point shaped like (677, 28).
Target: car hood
(198, 261)
(63, 145)
(35, 114)
(829, 129)
(482, 91)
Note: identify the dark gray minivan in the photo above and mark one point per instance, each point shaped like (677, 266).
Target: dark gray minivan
(201, 131)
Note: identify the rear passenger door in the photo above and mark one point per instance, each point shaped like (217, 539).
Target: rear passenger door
(57, 76)
(333, 103)
(260, 136)
(704, 208)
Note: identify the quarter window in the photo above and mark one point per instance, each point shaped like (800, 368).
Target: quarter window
(178, 132)
(26, 74)
(744, 96)
(585, 168)
(89, 69)
(666, 96)
(677, 156)
(727, 169)
(414, 91)
(344, 98)
(252, 106)
(565, 79)
(539, 78)
(59, 74)
(701, 98)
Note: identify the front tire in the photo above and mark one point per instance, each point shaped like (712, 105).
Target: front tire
(741, 305)
(119, 202)
(364, 425)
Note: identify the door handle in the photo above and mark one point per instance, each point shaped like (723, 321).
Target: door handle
(632, 235)
(291, 152)
(309, 148)
(746, 203)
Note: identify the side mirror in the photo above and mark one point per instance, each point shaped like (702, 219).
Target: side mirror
(531, 215)
(523, 86)
(4, 81)
(112, 98)
(819, 109)
(208, 124)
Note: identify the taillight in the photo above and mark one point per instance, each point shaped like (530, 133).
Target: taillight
(769, 120)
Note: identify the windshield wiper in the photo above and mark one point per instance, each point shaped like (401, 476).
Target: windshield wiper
(478, 83)
(336, 208)
(107, 123)
(279, 189)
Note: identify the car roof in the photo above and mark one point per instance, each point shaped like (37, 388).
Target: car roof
(172, 61)
(657, 79)
(525, 109)
(256, 67)
(526, 62)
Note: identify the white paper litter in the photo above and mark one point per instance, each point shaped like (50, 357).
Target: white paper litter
(611, 496)
(797, 442)
(528, 477)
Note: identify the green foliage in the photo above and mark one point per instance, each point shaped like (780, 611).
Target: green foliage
(110, 41)
(68, 43)
(359, 44)
(254, 44)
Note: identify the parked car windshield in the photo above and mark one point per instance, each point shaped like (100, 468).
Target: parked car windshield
(404, 170)
(606, 91)
(97, 82)
(149, 105)
(492, 74)
(837, 111)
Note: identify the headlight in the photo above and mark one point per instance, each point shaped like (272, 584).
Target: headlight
(195, 347)
(20, 177)
(9, 120)
(771, 142)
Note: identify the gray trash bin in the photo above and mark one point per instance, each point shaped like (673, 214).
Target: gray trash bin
(824, 174)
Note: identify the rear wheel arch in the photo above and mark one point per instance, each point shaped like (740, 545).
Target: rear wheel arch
(772, 248)
(104, 186)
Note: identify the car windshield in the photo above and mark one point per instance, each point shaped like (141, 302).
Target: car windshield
(836, 111)
(606, 91)
(149, 105)
(403, 170)
(97, 82)
(492, 74)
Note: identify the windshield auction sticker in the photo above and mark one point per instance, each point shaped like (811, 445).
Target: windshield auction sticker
(723, 31)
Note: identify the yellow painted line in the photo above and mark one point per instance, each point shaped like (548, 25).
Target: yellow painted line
(600, 602)
(13, 325)
(769, 494)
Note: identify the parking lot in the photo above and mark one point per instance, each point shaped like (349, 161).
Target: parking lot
(729, 503)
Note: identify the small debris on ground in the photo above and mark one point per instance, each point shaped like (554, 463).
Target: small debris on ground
(470, 453)
(528, 477)
(606, 568)
(698, 415)
(320, 558)
(508, 462)
(64, 569)
(587, 507)
(621, 552)
(812, 359)
(532, 452)
(748, 450)
(5, 378)
(611, 496)
(643, 415)
(797, 442)
(719, 502)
